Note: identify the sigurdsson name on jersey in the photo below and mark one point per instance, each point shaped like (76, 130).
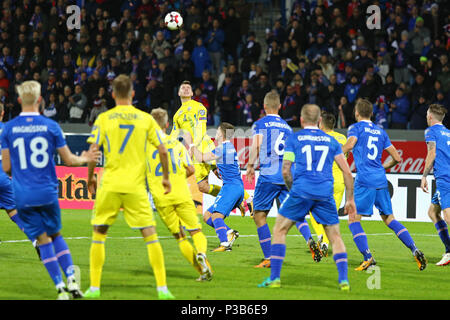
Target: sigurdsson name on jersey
(372, 131)
(314, 138)
(29, 129)
(277, 125)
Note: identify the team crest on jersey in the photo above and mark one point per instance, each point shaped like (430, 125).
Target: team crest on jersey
(202, 112)
(29, 120)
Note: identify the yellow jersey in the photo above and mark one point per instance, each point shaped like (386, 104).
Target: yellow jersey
(337, 173)
(192, 117)
(125, 133)
(179, 160)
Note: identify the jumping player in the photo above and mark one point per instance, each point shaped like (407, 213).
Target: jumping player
(232, 191)
(437, 137)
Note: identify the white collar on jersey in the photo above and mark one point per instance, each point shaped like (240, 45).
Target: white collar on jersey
(273, 115)
(311, 127)
(29, 114)
(366, 121)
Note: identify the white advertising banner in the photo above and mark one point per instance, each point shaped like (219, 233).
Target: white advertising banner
(409, 202)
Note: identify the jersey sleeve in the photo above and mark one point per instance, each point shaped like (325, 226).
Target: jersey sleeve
(184, 156)
(4, 139)
(154, 134)
(218, 152)
(60, 140)
(353, 131)
(289, 151)
(429, 135)
(387, 141)
(97, 132)
(256, 128)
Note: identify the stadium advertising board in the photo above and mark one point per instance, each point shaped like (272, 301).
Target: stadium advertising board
(409, 202)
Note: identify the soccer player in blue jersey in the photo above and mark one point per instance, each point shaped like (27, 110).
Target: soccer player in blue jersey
(269, 138)
(367, 141)
(29, 142)
(231, 194)
(7, 196)
(437, 137)
(312, 152)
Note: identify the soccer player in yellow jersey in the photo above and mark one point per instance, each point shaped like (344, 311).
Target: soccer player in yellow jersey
(125, 133)
(177, 209)
(327, 126)
(189, 122)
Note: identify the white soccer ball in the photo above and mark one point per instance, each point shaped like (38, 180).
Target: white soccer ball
(173, 20)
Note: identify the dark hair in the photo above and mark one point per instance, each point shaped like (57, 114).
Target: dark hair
(328, 120)
(227, 130)
(364, 108)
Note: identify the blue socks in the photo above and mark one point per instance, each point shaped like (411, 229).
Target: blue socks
(403, 234)
(51, 263)
(303, 228)
(342, 266)
(264, 240)
(278, 252)
(360, 239)
(221, 229)
(210, 223)
(63, 255)
(442, 230)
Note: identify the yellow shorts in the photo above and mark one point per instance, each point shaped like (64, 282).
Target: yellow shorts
(339, 190)
(202, 171)
(181, 214)
(136, 208)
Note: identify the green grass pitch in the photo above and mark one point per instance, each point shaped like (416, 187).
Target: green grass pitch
(128, 276)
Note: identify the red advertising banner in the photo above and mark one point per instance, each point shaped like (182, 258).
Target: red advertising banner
(73, 192)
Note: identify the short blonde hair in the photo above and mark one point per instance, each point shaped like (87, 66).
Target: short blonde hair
(122, 87)
(311, 113)
(29, 92)
(272, 100)
(438, 111)
(160, 116)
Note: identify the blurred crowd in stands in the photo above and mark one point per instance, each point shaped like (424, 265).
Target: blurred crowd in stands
(324, 54)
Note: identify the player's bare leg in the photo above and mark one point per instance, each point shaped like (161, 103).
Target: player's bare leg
(434, 212)
(339, 254)
(260, 218)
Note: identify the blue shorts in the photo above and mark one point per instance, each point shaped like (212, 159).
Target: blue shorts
(266, 193)
(37, 220)
(366, 198)
(229, 198)
(7, 195)
(441, 198)
(296, 208)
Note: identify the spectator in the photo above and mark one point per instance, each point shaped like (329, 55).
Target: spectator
(226, 97)
(201, 59)
(99, 106)
(291, 107)
(51, 108)
(418, 116)
(351, 89)
(201, 97)
(232, 30)
(346, 115)
(77, 105)
(250, 53)
(186, 68)
(399, 109)
(214, 42)
(381, 112)
(248, 112)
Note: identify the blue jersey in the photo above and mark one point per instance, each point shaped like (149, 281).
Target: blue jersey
(275, 132)
(313, 152)
(372, 140)
(227, 163)
(3, 176)
(441, 135)
(32, 140)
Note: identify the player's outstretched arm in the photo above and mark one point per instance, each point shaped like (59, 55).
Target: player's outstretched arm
(254, 154)
(429, 161)
(202, 157)
(349, 145)
(6, 161)
(71, 160)
(287, 174)
(395, 157)
(163, 157)
(190, 170)
(350, 207)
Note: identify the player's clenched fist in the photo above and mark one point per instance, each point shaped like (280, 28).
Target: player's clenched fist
(167, 186)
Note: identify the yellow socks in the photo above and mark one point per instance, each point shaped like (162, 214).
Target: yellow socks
(318, 228)
(97, 258)
(214, 190)
(200, 242)
(156, 258)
